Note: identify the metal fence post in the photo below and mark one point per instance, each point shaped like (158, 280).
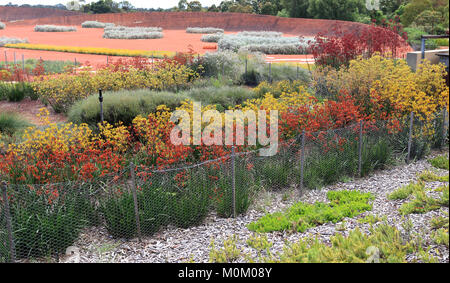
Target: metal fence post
(270, 72)
(23, 62)
(246, 65)
(233, 179)
(12, 248)
(14, 58)
(360, 148)
(302, 162)
(107, 60)
(411, 124)
(6, 58)
(75, 61)
(136, 207)
(100, 98)
(298, 71)
(444, 125)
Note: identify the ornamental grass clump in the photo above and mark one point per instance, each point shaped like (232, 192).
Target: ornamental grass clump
(121, 32)
(204, 30)
(215, 37)
(96, 24)
(53, 28)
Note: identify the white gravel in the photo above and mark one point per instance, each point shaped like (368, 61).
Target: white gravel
(193, 244)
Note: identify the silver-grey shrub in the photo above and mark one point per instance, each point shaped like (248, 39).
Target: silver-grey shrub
(2, 25)
(266, 45)
(215, 37)
(11, 40)
(53, 28)
(96, 24)
(231, 64)
(120, 32)
(204, 30)
(260, 33)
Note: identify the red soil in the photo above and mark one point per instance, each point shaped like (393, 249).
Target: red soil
(10, 14)
(28, 109)
(174, 24)
(174, 40)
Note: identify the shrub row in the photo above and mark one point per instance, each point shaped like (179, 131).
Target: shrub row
(124, 106)
(53, 28)
(11, 40)
(62, 91)
(267, 45)
(96, 24)
(260, 33)
(121, 32)
(204, 30)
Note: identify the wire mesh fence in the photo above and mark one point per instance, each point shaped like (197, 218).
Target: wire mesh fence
(41, 221)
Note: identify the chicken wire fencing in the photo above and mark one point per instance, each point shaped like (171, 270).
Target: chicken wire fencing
(41, 221)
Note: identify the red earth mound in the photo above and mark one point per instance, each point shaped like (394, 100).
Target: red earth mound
(13, 14)
(174, 24)
(182, 20)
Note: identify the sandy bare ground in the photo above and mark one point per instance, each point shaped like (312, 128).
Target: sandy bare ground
(28, 109)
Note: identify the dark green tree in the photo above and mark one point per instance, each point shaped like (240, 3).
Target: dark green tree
(296, 8)
(335, 9)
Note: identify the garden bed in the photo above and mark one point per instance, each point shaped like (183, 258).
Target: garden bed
(193, 244)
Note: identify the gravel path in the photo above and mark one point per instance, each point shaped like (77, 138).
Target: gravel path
(183, 245)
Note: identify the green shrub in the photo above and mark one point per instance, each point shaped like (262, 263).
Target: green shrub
(422, 203)
(274, 173)
(282, 72)
(302, 216)
(44, 225)
(324, 168)
(251, 78)
(440, 162)
(10, 123)
(16, 92)
(154, 205)
(224, 97)
(354, 248)
(375, 156)
(405, 191)
(429, 176)
(118, 212)
(122, 106)
(244, 182)
(190, 206)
